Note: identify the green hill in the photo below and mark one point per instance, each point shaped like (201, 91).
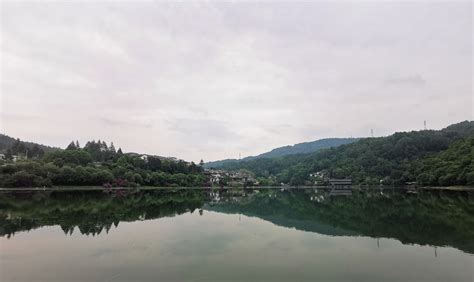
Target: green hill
(394, 160)
(300, 148)
(16, 146)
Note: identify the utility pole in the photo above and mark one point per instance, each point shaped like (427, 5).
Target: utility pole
(372, 132)
(424, 123)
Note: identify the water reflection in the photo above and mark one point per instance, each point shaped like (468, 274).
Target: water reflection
(436, 218)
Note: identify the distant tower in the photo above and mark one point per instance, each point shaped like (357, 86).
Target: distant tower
(424, 123)
(240, 156)
(372, 132)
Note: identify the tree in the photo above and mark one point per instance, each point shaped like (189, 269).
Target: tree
(18, 147)
(8, 154)
(154, 163)
(112, 148)
(71, 146)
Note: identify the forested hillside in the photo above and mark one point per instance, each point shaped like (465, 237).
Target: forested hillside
(300, 148)
(450, 167)
(11, 146)
(98, 164)
(433, 157)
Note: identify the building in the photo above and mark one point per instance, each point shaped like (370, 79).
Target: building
(233, 178)
(240, 178)
(341, 187)
(319, 177)
(18, 158)
(2, 156)
(215, 176)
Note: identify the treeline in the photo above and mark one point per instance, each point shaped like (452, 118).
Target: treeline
(431, 157)
(21, 148)
(453, 166)
(99, 164)
(10, 146)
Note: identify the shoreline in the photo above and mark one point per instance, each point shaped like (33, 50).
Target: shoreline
(353, 187)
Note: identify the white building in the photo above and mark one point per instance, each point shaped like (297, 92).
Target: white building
(18, 158)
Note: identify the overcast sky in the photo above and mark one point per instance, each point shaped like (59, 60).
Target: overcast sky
(212, 80)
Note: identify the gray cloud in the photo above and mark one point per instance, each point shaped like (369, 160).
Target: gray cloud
(215, 79)
(413, 80)
(206, 130)
(122, 123)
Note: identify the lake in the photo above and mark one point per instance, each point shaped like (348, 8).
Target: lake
(237, 235)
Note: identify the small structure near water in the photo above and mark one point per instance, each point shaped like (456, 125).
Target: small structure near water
(341, 187)
(340, 183)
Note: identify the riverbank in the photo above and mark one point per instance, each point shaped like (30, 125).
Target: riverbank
(354, 187)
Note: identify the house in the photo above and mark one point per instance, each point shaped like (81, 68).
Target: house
(18, 158)
(341, 187)
(240, 178)
(215, 176)
(234, 178)
(319, 177)
(318, 174)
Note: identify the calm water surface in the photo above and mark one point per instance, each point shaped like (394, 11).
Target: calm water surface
(237, 235)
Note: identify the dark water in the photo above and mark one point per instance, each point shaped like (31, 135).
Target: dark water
(237, 235)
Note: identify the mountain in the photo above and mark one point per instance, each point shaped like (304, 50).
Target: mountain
(430, 157)
(307, 147)
(7, 142)
(300, 148)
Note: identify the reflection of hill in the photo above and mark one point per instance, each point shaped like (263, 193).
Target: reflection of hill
(91, 212)
(303, 223)
(428, 218)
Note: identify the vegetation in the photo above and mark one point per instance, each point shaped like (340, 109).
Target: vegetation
(438, 218)
(428, 157)
(10, 146)
(453, 166)
(99, 164)
(91, 212)
(433, 157)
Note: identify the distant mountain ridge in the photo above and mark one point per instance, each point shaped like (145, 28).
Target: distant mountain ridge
(7, 142)
(300, 148)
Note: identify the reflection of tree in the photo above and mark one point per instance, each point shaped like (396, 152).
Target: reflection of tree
(91, 212)
(428, 218)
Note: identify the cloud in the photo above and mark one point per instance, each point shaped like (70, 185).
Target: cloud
(120, 123)
(203, 129)
(215, 79)
(414, 80)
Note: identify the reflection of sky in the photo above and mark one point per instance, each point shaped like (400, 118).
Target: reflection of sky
(221, 247)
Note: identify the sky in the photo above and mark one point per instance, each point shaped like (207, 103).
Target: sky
(212, 80)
